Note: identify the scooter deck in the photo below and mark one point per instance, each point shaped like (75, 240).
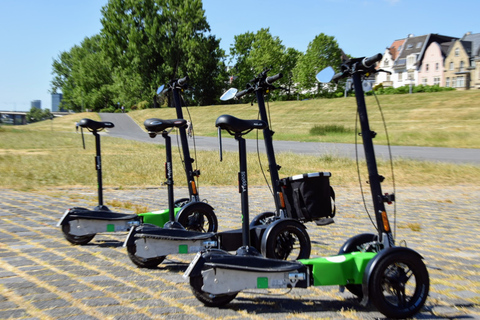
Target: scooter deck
(172, 234)
(339, 270)
(100, 215)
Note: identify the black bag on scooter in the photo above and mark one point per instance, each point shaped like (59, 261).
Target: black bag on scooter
(309, 197)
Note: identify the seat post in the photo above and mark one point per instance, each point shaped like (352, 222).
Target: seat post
(98, 166)
(243, 189)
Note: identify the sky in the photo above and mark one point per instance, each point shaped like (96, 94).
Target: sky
(33, 32)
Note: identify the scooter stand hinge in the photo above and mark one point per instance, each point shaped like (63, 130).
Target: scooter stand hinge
(388, 198)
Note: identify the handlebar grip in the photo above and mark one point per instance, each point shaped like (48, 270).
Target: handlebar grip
(274, 78)
(369, 62)
(242, 93)
(182, 81)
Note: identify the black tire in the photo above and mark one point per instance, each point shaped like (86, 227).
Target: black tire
(352, 245)
(141, 262)
(399, 284)
(286, 240)
(198, 217)
(209, 300)
(263, 219)
(181, 202)
(76, 240)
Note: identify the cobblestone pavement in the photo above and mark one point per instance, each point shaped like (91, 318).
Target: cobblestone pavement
(42, 276)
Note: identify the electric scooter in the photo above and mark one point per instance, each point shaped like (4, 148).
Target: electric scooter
(276, 235)
(393, 278)
(80, 225)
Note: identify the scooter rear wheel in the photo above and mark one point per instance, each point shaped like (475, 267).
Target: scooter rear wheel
(181, 202)
(198, 217)
(286, 240)
(141, 262)
(208, 299)
(263, 219)
(76, 240)
(399, 284)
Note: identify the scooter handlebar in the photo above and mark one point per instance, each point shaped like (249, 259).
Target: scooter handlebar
(337, 76)
(274, 78)
(242, 93)
(370, 61)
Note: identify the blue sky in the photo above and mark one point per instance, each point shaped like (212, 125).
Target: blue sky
(33, 32)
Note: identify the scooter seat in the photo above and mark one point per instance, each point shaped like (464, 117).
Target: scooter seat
(173, 234)
(95, 125)
(236, 125)
(250, 263)
(158, 125)
(100, 215)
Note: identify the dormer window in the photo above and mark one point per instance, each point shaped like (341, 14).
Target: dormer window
(419, 45)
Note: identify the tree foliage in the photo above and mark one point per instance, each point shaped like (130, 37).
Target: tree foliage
(36, 114)
(322, 52)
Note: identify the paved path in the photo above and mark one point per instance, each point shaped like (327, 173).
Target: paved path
(42, 276)
(126, 128)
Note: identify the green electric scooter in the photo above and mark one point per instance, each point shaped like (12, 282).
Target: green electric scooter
(393, 278)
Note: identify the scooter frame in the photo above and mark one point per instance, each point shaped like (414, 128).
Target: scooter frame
(381, 269)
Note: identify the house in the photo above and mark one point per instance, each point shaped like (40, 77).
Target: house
(410, 59)
(462, 63)
(432, 70)
(386, 64)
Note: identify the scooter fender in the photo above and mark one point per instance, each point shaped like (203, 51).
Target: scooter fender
(373, 263)
(190, 205)
(64, 219)
(271, 226)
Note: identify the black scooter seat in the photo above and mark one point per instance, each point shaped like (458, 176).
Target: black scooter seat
(158, 125)
(100, 215)
(250, 263)
(233, 124)
(95, 125)
(173, 234)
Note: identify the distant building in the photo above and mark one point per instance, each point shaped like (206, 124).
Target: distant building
(56, 99)
(36, 104)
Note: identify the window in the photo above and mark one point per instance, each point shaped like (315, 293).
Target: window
(462, 66)
(437, 66)
(447, 82)
(385, 63)
(453, 82)
(457, 52)
(424, 81)
(419, 45)
(426, 67)
(451, 65)
(400, 76)
(436, 81)
(460, 82)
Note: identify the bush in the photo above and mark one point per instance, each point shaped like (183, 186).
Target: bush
(322, 130)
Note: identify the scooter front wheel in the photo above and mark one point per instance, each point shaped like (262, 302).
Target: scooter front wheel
(76, 240)
(198, 216)
(286, 240)
(263, 219)
(208, 299)
(399, 284)
(142, 262)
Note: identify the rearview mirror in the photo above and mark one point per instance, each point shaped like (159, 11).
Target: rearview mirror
(229, 94)
(326, 75)
(160, 89)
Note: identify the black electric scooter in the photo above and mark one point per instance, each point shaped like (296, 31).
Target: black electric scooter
(393, 278)
(275, 235)
(80, 225)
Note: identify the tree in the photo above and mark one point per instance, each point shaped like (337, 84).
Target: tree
(35, 115)
(253, 52)
(83, 74)
(153, 41)
(322, 52)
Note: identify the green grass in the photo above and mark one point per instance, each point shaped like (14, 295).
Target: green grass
(50, 153)
(441, 119)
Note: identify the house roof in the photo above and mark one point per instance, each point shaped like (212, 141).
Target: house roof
(475, 43)
(418, 45)
(395, 48)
